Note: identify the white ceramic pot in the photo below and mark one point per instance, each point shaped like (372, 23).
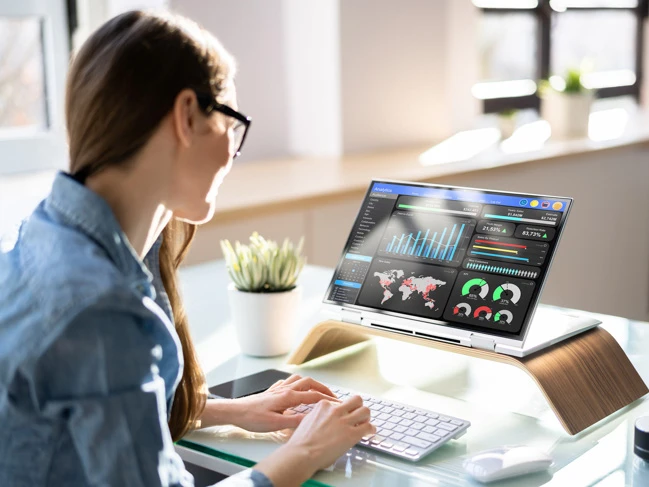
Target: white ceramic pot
(567, 114)
(264, 322)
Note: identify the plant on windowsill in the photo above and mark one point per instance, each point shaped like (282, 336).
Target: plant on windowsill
(507, 122)
(264, 295)
(565, 104)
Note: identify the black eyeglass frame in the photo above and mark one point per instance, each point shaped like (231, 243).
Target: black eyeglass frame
(209, 104)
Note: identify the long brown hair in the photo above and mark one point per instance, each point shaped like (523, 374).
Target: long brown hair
(121, 84)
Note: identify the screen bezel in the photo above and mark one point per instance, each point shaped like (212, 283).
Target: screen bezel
(518, 336)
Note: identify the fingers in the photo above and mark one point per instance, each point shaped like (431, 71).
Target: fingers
(296, 398)
(276, 385)
(291, 379)
(351, 404)
(307, 383)
(366, 429)
(359, 415)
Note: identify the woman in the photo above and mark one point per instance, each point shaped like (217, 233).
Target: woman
(97, 369)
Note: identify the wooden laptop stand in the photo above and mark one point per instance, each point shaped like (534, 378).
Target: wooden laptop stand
(584, 378)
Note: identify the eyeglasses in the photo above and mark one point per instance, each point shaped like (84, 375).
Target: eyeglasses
(241, 125)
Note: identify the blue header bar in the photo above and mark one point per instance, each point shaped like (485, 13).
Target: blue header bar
(473, 196)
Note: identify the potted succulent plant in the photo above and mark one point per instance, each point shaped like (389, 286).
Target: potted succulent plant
(264, 296)
(565, 104)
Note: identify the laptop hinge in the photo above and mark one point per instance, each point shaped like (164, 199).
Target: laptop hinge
(483, 343)
(350, 316)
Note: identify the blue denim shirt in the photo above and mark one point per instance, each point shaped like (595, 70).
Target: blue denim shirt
(89, 357)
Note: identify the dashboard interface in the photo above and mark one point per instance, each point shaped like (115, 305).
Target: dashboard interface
(469, 258)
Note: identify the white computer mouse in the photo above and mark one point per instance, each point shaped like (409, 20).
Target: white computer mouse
(506, 462)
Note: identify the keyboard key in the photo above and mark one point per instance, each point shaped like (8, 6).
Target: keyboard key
(386, 444)
(419, 411)
(399, 447)
(428, 429)
(408, 409)
(367, 437)
(456, 422)
(386, 403)
(397, 406)
(421, 418)
(412, 452)
(411, 440)
(377, 422)
(406, 422)
(377, 440)
(429, 437)
(441, 432)
(383, 432)
(384, 416)
(417, 426)
(411, 432)
(447, 427)
(409, 416)
(432, 415)
(400, 429)
(446, 419)
(398, 413)
(389, 425)
(396, 436)
(375, 407)
(432, 422)
(387, 409)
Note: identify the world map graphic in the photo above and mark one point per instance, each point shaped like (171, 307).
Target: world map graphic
(425, 286)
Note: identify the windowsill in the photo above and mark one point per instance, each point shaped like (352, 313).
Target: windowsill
(260, 187)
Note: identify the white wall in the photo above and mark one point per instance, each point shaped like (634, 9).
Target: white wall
(393, 73)
(252, 30)
(325, 77)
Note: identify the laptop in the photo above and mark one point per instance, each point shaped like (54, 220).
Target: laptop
(458, 265)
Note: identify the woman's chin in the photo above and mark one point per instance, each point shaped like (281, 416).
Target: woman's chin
(197, 217)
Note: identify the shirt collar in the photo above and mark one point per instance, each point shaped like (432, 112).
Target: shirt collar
(83, 209)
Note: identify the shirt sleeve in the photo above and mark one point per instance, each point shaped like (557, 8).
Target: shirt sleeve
(247, 478)
(99, 380)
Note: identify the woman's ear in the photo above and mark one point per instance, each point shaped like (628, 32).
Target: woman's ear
(185, 112)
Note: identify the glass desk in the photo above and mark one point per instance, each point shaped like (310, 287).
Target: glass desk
(503, 404)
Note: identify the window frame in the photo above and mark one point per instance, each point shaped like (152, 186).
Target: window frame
(33, 150)
(543, 13)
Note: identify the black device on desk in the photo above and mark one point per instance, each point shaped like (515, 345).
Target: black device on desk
(248, 385)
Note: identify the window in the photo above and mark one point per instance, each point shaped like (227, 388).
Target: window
(523, 41)
(33, 62)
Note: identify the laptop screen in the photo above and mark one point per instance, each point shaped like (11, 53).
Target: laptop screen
(468, 258)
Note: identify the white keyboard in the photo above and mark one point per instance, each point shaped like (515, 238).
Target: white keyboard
(401, 430)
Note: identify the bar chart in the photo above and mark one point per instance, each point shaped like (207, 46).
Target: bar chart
(443, 240)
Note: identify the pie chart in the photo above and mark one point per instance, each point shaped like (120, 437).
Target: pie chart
(510, 292)
(504, 316)
(462, 309)
(482, 312)
(476, 286)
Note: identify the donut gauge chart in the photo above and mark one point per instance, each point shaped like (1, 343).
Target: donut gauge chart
(483, 312)
(462, 310)
(504, 316)
(476, 286)
(508, 291)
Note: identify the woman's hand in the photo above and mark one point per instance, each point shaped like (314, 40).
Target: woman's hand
(322, 437)
(264, 412)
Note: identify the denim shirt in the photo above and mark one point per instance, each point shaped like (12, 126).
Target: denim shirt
(89, 356)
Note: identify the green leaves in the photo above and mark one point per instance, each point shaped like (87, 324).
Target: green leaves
(263, 266)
